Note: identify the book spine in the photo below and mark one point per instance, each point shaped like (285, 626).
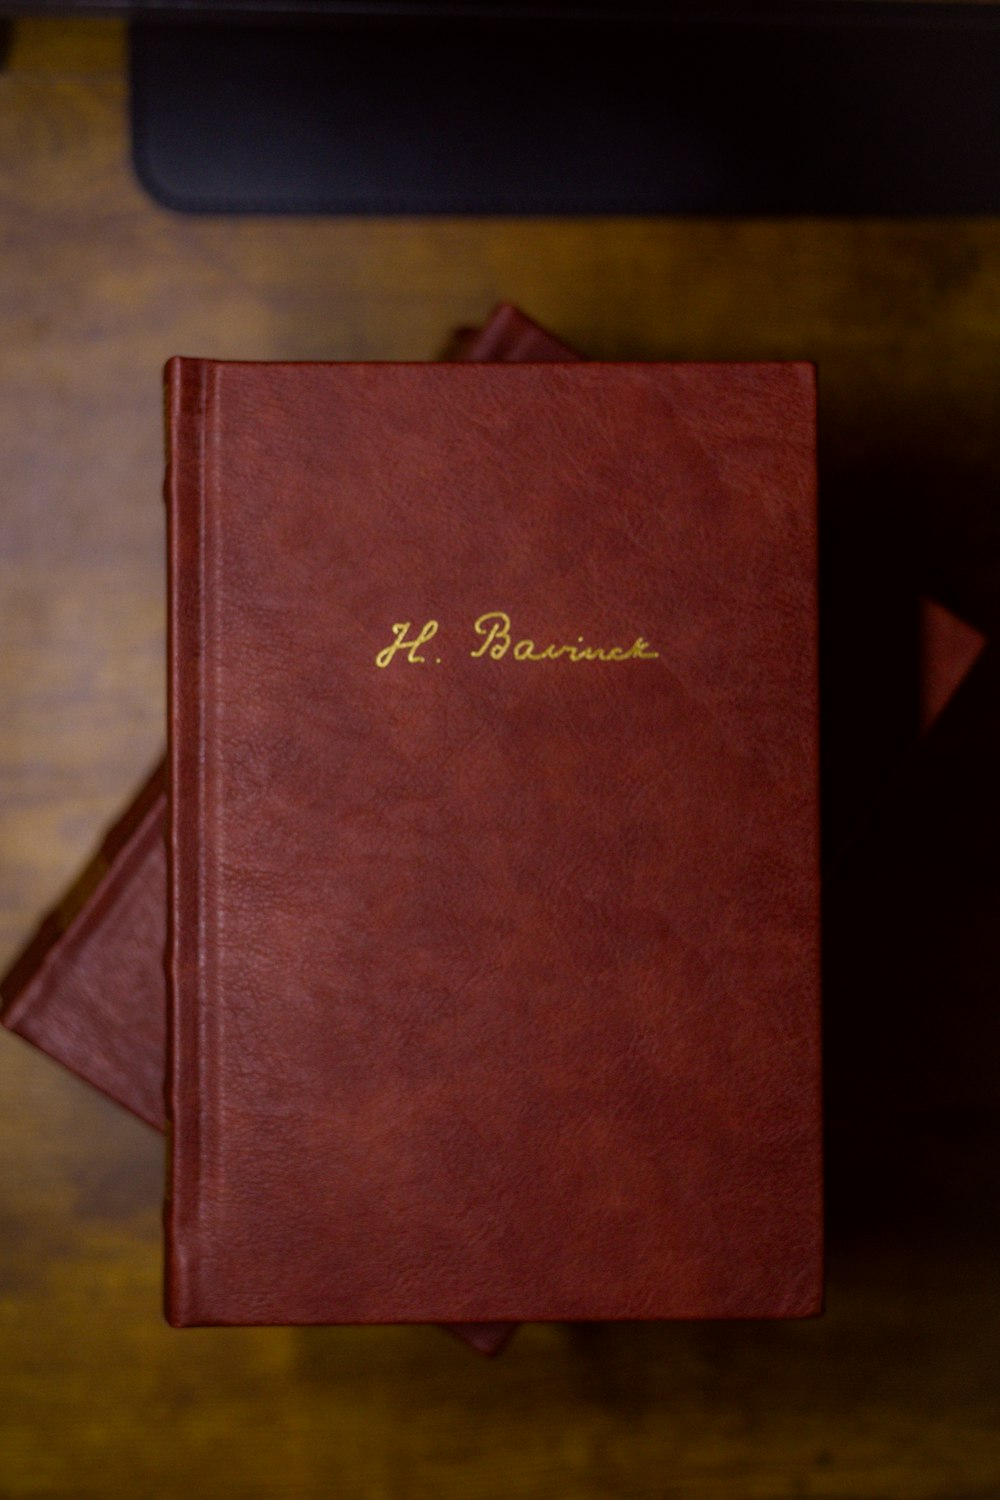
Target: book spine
(188, 1062)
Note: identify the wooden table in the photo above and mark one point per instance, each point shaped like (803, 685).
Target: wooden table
(894, 1393)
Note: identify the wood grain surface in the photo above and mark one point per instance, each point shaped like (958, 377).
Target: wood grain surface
(894, 1393)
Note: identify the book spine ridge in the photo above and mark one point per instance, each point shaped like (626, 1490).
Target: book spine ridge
(189, 399)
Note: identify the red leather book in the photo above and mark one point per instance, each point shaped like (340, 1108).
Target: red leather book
(493, 843)
(88, 989)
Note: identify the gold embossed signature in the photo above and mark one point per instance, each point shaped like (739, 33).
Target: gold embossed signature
(497, 641)
(411, 649)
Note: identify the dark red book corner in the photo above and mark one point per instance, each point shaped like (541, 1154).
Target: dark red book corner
(949, 649)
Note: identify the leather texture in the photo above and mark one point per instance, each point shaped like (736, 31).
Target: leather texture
(494, 945)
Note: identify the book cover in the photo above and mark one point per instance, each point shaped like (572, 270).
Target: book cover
(493, 842)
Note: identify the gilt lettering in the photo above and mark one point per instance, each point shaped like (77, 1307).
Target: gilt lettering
(411, 648)
(496, 642)
(495, 629)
